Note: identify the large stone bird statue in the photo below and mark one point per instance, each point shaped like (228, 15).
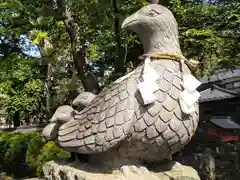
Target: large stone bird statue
(130, 120)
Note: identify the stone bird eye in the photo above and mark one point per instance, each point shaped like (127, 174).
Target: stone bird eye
(152, 13)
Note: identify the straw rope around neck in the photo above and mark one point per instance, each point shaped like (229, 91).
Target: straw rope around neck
(192, 64)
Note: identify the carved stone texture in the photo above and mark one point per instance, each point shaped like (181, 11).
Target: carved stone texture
(83, 100)
(61, 115)
(65, 113)
(117, 124)
(59, 171)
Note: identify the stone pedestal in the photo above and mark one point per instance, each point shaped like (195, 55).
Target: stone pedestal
(55, 170)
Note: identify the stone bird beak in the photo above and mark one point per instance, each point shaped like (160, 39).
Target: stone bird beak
(130, 21)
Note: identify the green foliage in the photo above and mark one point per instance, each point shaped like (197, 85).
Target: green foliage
(33, 152)
(209, 32)
(49, 152)
(23, 155)
(38, 153)
(40, 36)
(21, 88)
(13, 151)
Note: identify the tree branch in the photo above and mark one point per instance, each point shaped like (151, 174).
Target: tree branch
(87, 78)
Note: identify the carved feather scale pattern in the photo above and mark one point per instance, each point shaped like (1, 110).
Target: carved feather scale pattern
(116, 115)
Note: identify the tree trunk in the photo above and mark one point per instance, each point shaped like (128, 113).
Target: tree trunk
(16, 119)
(120, 62)
(87, 78)
(153, 1)
(49, 79)
(48, 89)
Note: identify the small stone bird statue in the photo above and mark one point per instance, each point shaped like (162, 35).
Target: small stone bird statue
(116, 124)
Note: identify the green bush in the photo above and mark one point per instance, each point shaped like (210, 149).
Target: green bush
(23, 155)
(33, 152)
(13, 152)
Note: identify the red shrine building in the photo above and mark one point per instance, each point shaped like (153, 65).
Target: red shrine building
(220, 105)
(224, 129)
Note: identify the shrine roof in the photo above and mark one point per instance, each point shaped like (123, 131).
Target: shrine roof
(212, 94)
(221, 75)
(224, 122)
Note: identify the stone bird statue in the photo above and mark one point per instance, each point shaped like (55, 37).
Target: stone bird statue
(62, 115)
(116, 124)
(65, 113)
(83, 100)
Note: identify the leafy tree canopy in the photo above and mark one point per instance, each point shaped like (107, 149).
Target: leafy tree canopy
(81, 43)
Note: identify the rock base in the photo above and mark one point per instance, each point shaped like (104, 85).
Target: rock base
(54, 170)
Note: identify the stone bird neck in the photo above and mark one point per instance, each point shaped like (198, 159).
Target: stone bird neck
(160, 42)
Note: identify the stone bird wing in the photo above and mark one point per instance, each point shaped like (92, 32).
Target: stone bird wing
(163, 123)
(105, 122)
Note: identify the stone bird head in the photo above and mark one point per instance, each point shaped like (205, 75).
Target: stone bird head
(63, 114)
(83, 100)
(156, 27)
